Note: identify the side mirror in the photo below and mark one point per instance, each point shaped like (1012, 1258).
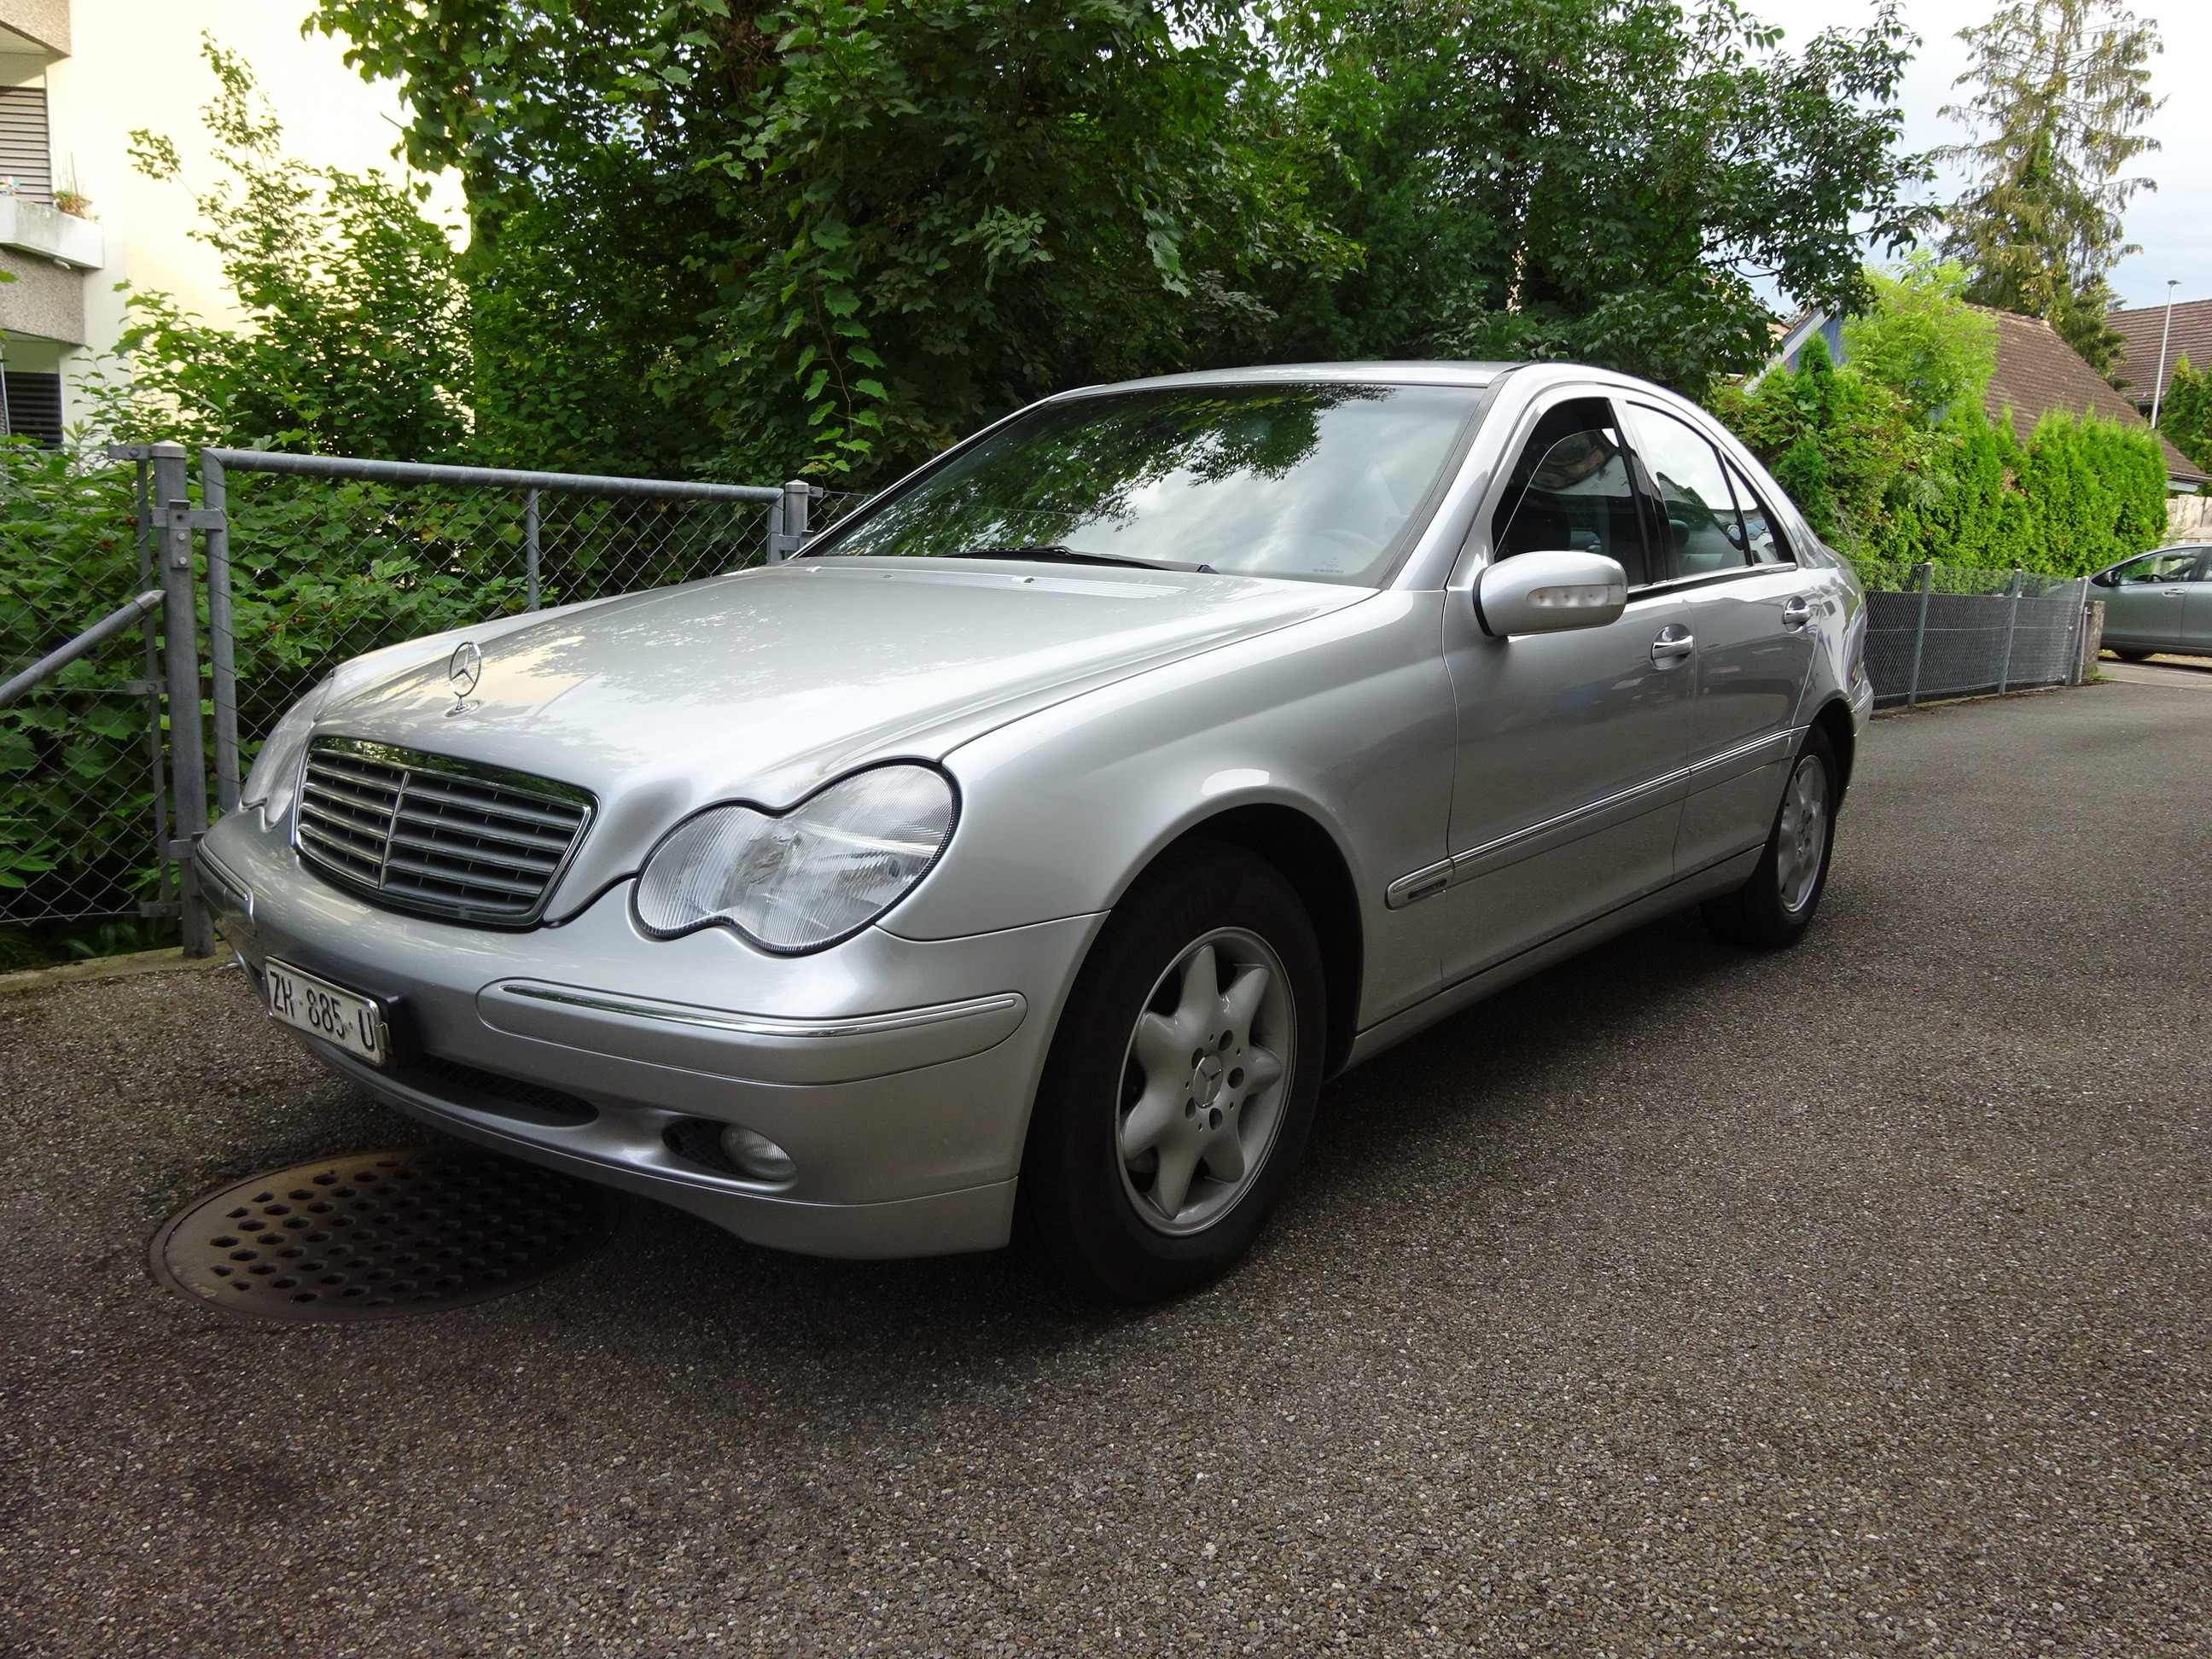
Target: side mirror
(1549, 593)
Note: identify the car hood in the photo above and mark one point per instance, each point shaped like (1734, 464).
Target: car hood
(763, 684)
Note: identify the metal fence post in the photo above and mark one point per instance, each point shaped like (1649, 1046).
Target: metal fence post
(1919, 635)
(529, 546)
(2011, 626)
(2078, 654)
(222, 660)
(786, 521)
(172, 521)
(798, 495)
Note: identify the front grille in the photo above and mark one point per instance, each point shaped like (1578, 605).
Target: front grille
(430, 834)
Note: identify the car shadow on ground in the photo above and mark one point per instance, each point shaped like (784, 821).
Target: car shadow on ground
(670, 1277)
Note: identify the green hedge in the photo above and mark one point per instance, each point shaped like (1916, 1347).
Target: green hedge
(1879, 480)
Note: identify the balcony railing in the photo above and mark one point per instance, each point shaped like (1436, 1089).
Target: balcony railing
(29, 226)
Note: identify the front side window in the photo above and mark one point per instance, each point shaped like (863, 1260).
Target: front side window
(1320, 482)
(1571, 491)
(1695, 502)
(2154, 568)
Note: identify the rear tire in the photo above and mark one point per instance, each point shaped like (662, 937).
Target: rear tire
(1180, 1083)
(2129, 655)
(1774, 908)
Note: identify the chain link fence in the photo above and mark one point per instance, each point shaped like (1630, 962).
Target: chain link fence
(280, 569)
(1936, 631)
(82, 819)
(318, 561)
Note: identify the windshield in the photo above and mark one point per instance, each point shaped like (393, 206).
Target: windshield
(1308, 481)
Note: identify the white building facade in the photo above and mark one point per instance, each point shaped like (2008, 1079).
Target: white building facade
(77, 219)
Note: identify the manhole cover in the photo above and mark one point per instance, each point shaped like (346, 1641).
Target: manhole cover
(380, 1235)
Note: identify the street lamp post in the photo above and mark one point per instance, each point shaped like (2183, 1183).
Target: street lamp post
(2165, 337)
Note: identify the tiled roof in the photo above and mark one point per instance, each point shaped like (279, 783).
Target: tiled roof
(2036, 372)
(2192, 337)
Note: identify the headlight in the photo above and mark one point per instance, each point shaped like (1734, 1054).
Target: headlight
(807, 878)
(276, 772)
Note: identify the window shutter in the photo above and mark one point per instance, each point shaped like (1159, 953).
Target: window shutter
(26, 156)
(35, 408)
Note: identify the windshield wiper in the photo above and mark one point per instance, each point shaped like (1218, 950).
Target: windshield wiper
(1054, 553)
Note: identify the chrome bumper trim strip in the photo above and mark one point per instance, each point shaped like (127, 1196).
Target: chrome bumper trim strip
(768, 1026)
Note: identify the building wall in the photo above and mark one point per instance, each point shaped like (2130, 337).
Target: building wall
(137, 63)
(43, 303)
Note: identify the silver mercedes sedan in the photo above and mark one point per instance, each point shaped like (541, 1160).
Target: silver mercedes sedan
(1017, 861)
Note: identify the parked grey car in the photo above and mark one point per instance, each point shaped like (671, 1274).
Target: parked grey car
(2158, 601)
(1020, 858)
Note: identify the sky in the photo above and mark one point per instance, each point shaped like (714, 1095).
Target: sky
(2173, 223)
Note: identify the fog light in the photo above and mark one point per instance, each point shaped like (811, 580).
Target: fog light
(757, 1155)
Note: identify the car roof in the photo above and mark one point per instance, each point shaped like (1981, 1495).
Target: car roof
(1410, 372)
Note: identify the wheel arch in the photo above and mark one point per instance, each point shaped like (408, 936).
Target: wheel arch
(1310, 859)
(1834, 722)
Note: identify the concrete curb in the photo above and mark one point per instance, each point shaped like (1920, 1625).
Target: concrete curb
(171, 961)
(1900, 710)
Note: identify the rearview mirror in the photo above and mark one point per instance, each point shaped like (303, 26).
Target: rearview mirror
(1549, 593)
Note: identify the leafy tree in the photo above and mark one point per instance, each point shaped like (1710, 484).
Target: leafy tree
(1921, 339)
(838, 231)
(353, 342)
(745, 236)
(2184, 414)
(1603, 181)
(2061, 89)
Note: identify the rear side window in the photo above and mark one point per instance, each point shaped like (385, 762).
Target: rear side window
(1695, 503)
(1762, 530)
(1571, 491)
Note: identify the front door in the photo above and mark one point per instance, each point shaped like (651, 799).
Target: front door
(1567, 789)
(2145, 604)
(1748, 608)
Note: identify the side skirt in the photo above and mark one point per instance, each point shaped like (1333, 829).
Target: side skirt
(1709, 883)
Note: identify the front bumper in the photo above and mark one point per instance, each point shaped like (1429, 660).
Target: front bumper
(897, 1073)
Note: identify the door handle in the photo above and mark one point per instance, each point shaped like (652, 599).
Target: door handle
(1674, 642)
(2174, 593)
(1796, 613)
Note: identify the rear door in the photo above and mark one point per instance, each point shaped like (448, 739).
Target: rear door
(1747, 605)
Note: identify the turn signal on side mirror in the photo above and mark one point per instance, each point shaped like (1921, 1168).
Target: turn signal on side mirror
(1585, 595)
(1550, 591)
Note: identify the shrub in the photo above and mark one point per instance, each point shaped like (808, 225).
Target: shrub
(1891, 456)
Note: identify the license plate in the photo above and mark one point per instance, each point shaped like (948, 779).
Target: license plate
(345, 1019)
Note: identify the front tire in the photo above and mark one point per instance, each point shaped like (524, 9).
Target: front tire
(1180, 1083)
(1774, 908)
(2129, 654)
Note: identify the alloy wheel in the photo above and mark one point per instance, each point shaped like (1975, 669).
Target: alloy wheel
(1803, 841)
(1204, 1078)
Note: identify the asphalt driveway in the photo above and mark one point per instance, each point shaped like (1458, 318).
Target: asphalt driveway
(1850, 1301)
